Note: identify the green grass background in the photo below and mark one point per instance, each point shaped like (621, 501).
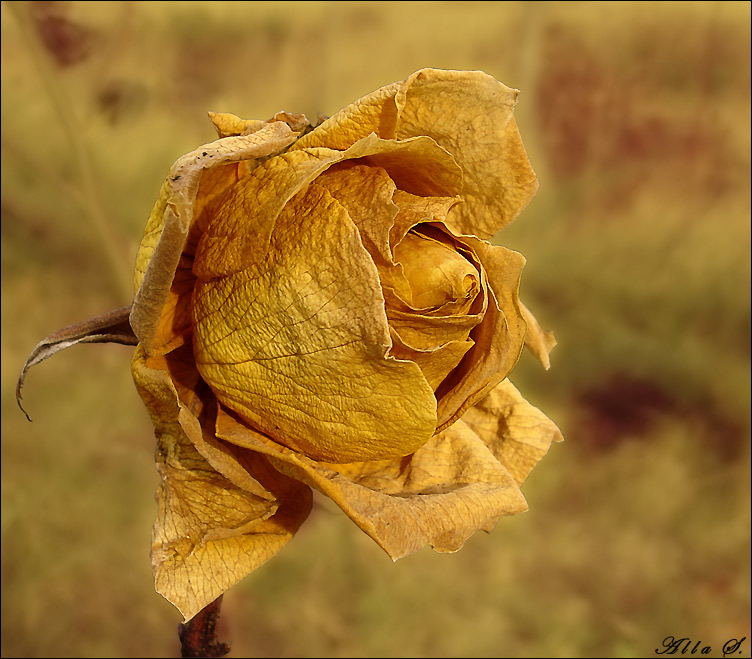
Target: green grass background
(636, 117)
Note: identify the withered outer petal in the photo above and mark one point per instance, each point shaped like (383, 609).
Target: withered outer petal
(440, 495)
(170, 220)
(516, 432)
(540, 342)
(471, 115)
(222, 512)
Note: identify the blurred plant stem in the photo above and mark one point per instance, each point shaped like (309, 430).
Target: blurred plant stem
(198, 636)
(89, 197)
(534, 17)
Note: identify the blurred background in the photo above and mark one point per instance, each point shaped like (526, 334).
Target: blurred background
(636, 117)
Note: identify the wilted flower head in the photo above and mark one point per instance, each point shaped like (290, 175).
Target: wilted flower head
(319, 307)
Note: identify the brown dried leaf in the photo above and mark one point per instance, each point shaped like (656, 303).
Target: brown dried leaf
(110, 327)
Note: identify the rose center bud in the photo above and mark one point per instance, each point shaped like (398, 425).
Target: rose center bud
(435, 272)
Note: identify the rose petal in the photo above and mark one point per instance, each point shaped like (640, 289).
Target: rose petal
(297, 342)
(227, 124)
(517, 433)
(425, 332)
(498, 339)
(537, 340)
(239, 234)
(440, 495)
(172, 216)
(415, 210)
(366, 194)
(471, 115)
(176, 322)
(209, 533)
(435, 364)
(417, 165)
(373, 113)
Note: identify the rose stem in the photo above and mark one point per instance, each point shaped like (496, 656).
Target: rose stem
(198, 636)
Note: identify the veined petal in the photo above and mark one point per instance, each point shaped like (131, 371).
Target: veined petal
(373, 113)
(175, 323)
(537, 340)
(296, 343)
(414, 210)
(239, 234)
(366, 194)
(227, 124)
(173, 214)
(437, 363)
(440, 495)
(426, 332)
(209, 532)
(515, 431)
(471, 115)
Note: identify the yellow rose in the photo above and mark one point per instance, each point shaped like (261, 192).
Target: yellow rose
(320, 307)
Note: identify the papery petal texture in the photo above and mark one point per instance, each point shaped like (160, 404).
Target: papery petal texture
(210, 532)
(297, 343)
(470, 114)
(440, 495)
(462, 480)
(320, 307)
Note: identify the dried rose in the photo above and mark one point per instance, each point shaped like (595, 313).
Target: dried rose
(321, 308)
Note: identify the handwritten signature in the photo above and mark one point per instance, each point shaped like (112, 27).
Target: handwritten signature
(673, 645)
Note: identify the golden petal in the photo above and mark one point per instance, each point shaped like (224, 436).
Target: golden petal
(440, 495)
(366, 194)
(471, 115)
(426, 332)
(437, 363)
(515, 431)
(209, 532)
(173, 215)
(297, 342)
(537, 340)
(414, 210)
(373, 113)
(498, 339)
(227, 124)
